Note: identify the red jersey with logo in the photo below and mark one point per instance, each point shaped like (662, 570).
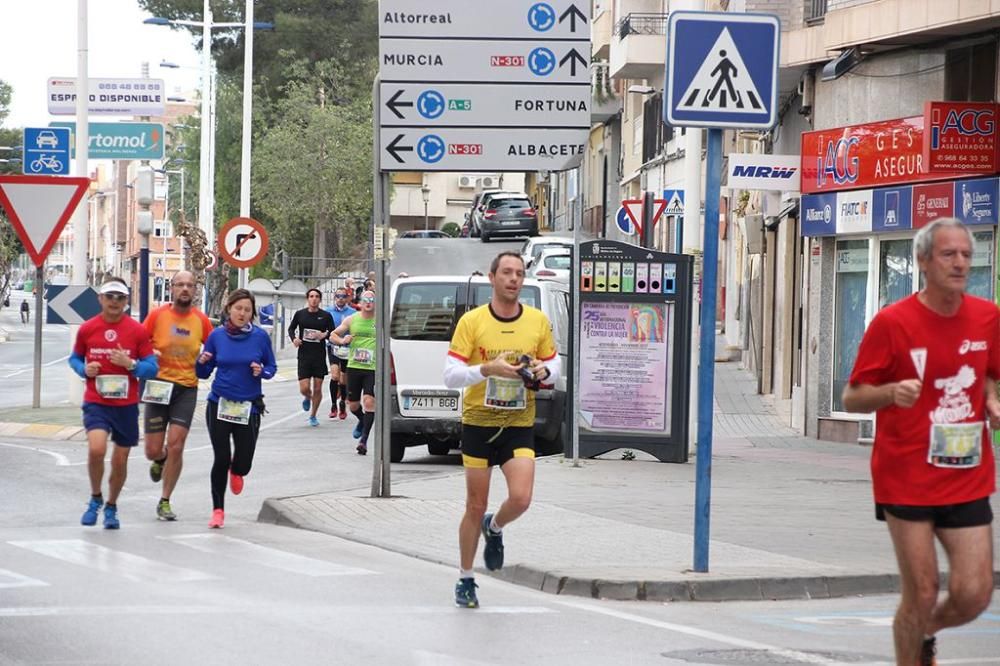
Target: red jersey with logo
(95, 341)
(953, 356)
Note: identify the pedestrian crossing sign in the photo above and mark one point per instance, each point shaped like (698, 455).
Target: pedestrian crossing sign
(722, 70)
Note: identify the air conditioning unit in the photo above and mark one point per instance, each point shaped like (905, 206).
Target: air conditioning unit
(467, 182)
(489, 182)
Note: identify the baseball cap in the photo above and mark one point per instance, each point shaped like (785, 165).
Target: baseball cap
(113, 287)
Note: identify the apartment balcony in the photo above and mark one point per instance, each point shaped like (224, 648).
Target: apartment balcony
(639, 46)
(601, 28)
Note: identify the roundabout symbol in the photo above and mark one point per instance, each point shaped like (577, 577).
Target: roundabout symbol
(430, 104)
(541, 61)
(541, 16)
(431, 148)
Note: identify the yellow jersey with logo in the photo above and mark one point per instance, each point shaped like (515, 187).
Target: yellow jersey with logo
(482, 336)
(179, 339)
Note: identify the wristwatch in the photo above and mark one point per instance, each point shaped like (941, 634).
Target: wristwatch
(131, 367)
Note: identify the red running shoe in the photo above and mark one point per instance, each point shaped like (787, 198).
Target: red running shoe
(235, 483)
(218, 518)
(343, 411)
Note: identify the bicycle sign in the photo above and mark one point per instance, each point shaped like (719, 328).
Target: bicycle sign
(46, 151)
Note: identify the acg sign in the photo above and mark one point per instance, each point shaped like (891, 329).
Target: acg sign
(961, 136)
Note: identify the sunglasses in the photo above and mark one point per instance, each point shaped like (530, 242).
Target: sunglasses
(340, 295)
(368, 299)
(115, 297)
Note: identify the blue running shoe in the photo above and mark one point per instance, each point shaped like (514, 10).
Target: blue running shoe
(313, 421)
(357, 432)
(493, 550)
(90, 515)
(306, 404)
(111, 518)
(465, 593)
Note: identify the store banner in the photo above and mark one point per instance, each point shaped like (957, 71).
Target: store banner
(931, 202)
(854, 212)
(769, 173)
(819, 214)
(892, 209)
(976, 200)
(960, 136)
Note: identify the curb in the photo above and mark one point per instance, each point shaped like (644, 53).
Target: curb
(702, 589)
(49, 431)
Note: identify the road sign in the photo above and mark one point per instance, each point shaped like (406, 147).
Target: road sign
(120, 141)
(39, 207)
(71, 304)
(675, 202)
(551, 19)
(213, 260)
(484, 60)
(458, 105)
(460, 149)
(624, 222)
(633, 208)
(243, 242)
(46, 151)
(131, 97)
(722, 70)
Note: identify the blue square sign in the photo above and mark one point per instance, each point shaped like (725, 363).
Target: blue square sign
(722, 70)
(46, 151)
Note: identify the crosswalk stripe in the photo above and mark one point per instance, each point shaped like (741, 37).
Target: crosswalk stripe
(253, 553)
(126, 565)
(9, 579)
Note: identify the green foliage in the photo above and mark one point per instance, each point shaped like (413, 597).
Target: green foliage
(10, 244)
(451, 229)
(5, 94)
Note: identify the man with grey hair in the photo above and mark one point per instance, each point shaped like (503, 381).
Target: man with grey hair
(929, 366)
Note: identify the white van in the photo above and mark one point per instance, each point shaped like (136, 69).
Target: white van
(425, 311)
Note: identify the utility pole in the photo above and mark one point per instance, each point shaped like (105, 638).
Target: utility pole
(78, 275)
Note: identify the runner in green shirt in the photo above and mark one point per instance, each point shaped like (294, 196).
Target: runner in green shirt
(360, 336)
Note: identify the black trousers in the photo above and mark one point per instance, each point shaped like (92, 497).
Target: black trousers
(239, 458)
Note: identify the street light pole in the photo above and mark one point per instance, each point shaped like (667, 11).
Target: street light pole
(247, 110)
(205, 220)
(425, 190)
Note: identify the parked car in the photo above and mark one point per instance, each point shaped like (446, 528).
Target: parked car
(472, 216)
(553, 264)
(425, 311)
(424, 233)
(533, 247)
(508, 215)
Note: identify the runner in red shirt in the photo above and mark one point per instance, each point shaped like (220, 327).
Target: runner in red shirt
(929, 366)
(111, 351)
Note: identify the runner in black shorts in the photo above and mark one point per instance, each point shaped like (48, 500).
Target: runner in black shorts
(309, 331)
(497, 445)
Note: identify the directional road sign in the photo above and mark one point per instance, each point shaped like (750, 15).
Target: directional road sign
(71, 304)
(39, 207)
(120, 141)
(46, 151)
(243, 242)
(483, 86)
(464, 149)
(624, 222)
(722, 70)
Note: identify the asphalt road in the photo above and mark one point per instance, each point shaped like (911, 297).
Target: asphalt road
(18, 353)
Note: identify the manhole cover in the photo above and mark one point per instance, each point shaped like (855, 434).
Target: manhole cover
(728, 657)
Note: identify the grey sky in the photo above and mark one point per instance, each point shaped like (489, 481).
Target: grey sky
(38, 41)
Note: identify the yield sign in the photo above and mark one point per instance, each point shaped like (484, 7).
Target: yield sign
(634, 209)
(39, 207)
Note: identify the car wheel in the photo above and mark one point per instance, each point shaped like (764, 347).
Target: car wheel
(397, 449)
(485, 238)
(439, 448)
(534, 231)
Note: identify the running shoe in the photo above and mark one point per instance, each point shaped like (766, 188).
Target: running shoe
(333, 413)
(164, 512)
(313, 421)
(90, 515)
(362, 449)
(342, 412)
(111, 517)
(156, 471)
(357, 431)
(465, 593)
(928, 652)
(235, 483)
(493, 550)
(218, 518)
(306, 404)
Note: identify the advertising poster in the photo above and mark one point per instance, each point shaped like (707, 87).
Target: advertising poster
(625, 366)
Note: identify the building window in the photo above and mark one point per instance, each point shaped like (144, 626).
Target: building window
(815, 11)
(981, 273)
(851, 304)
(895, 279)
(970, 73)
(162, 229)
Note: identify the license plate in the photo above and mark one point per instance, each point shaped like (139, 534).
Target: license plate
(436, 404)
(511, 223)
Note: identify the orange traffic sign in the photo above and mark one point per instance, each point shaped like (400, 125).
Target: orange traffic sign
(242, 242)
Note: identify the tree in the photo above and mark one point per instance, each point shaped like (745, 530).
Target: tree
(10, 244)
(5, 94)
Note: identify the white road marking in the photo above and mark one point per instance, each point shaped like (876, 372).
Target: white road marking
(428, 658)
(42, 611)
(32, 367)
(271, 424)
(17, 580)
(61, 460)
(246, 551)
(129, 566)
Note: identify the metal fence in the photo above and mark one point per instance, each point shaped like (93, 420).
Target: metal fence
(639, 23)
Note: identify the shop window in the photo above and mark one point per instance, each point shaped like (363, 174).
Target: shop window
(851, 294)
(895, 279)
(970, 73)
(981, 274)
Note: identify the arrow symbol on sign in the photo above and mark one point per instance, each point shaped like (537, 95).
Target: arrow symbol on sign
(394, 105)
(394, 148)
(573, 13)
(573, 56)
(72, 304)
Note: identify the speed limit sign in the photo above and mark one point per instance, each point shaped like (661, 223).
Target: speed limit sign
(243, 242)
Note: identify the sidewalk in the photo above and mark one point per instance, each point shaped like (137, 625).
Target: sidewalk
(792, 518)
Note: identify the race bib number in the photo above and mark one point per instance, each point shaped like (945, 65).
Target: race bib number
(362, 356)
(312, 335)
(341, 352)
(956, 445)
(234, 412)
(112, 387)
(505, 393)
(157, 393)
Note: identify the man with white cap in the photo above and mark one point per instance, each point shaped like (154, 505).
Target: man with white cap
(111, 352)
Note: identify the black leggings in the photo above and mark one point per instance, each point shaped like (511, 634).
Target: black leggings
(244, 439)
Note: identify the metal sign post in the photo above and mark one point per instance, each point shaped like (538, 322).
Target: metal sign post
(36, 380)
